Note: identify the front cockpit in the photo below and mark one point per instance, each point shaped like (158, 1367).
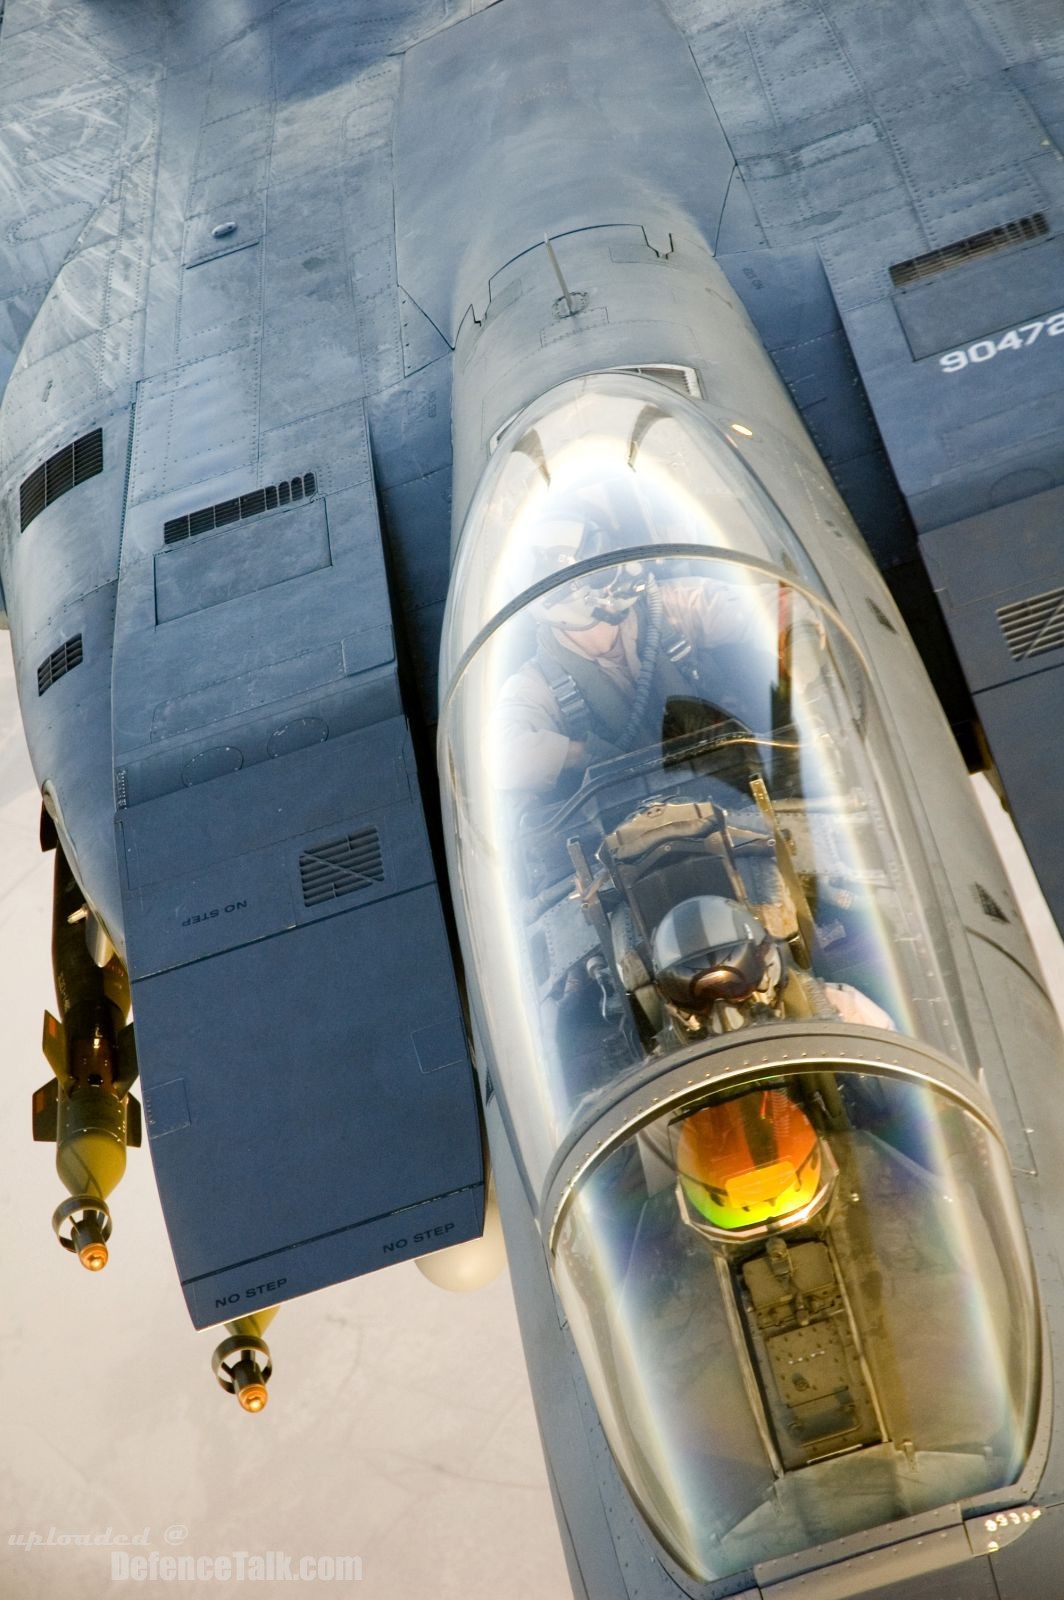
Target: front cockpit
(803, 1307)
(676, 827)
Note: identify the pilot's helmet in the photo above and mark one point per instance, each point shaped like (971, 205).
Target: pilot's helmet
(751, 1165)
(715, 962)
(603, 594)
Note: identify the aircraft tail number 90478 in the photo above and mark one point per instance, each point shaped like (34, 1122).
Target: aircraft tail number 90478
(1020, 338)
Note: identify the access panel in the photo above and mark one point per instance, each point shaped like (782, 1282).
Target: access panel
(308, 1095)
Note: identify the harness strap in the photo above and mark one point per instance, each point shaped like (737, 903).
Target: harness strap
(678, 650)
(576, 718)
(581, 713)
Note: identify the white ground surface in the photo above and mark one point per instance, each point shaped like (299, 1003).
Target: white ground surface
(400, 1426)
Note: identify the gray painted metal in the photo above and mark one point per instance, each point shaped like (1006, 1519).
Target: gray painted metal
(891, 1569)
(243, 239)
(220, 355)
(868, 140)
(532, 85)
(1029, 1567)
(997, 577)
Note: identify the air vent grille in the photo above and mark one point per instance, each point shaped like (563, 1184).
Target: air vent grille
(247, 505)
(331, 870)
(1033, 626)
(65, 470)
(1022, 231)
(683, 379)
(59, 663)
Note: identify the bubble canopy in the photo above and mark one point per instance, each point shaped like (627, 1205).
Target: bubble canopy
(673, 818)
(606, 462)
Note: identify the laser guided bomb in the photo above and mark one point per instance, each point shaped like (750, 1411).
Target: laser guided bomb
(90, 1113)
(242, 1362)
(87, 1108)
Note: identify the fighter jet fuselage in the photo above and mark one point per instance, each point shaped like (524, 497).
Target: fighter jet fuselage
(496, 342)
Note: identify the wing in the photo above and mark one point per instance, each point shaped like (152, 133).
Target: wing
(75, 84)
(220, 320)
(894, 229)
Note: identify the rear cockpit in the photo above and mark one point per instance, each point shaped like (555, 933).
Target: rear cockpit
(674, 808)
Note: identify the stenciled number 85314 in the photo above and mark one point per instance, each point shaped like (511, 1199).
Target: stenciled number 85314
(1020, 338)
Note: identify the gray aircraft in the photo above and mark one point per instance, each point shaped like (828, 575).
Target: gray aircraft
(529, 377)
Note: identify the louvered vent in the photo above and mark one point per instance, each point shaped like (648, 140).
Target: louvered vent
(248, 505)
(65, 470)
(1034, 626)
(1022, 231)
(683, 379)
(331, 870)
(59, 663)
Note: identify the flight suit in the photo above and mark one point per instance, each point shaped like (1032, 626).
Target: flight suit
(531, 737)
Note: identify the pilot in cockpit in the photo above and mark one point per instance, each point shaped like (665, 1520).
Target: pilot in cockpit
(612, 648)
(717, 969)
(714, 969)
(673, 873)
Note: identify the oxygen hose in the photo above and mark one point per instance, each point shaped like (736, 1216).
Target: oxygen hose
(650, 650)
